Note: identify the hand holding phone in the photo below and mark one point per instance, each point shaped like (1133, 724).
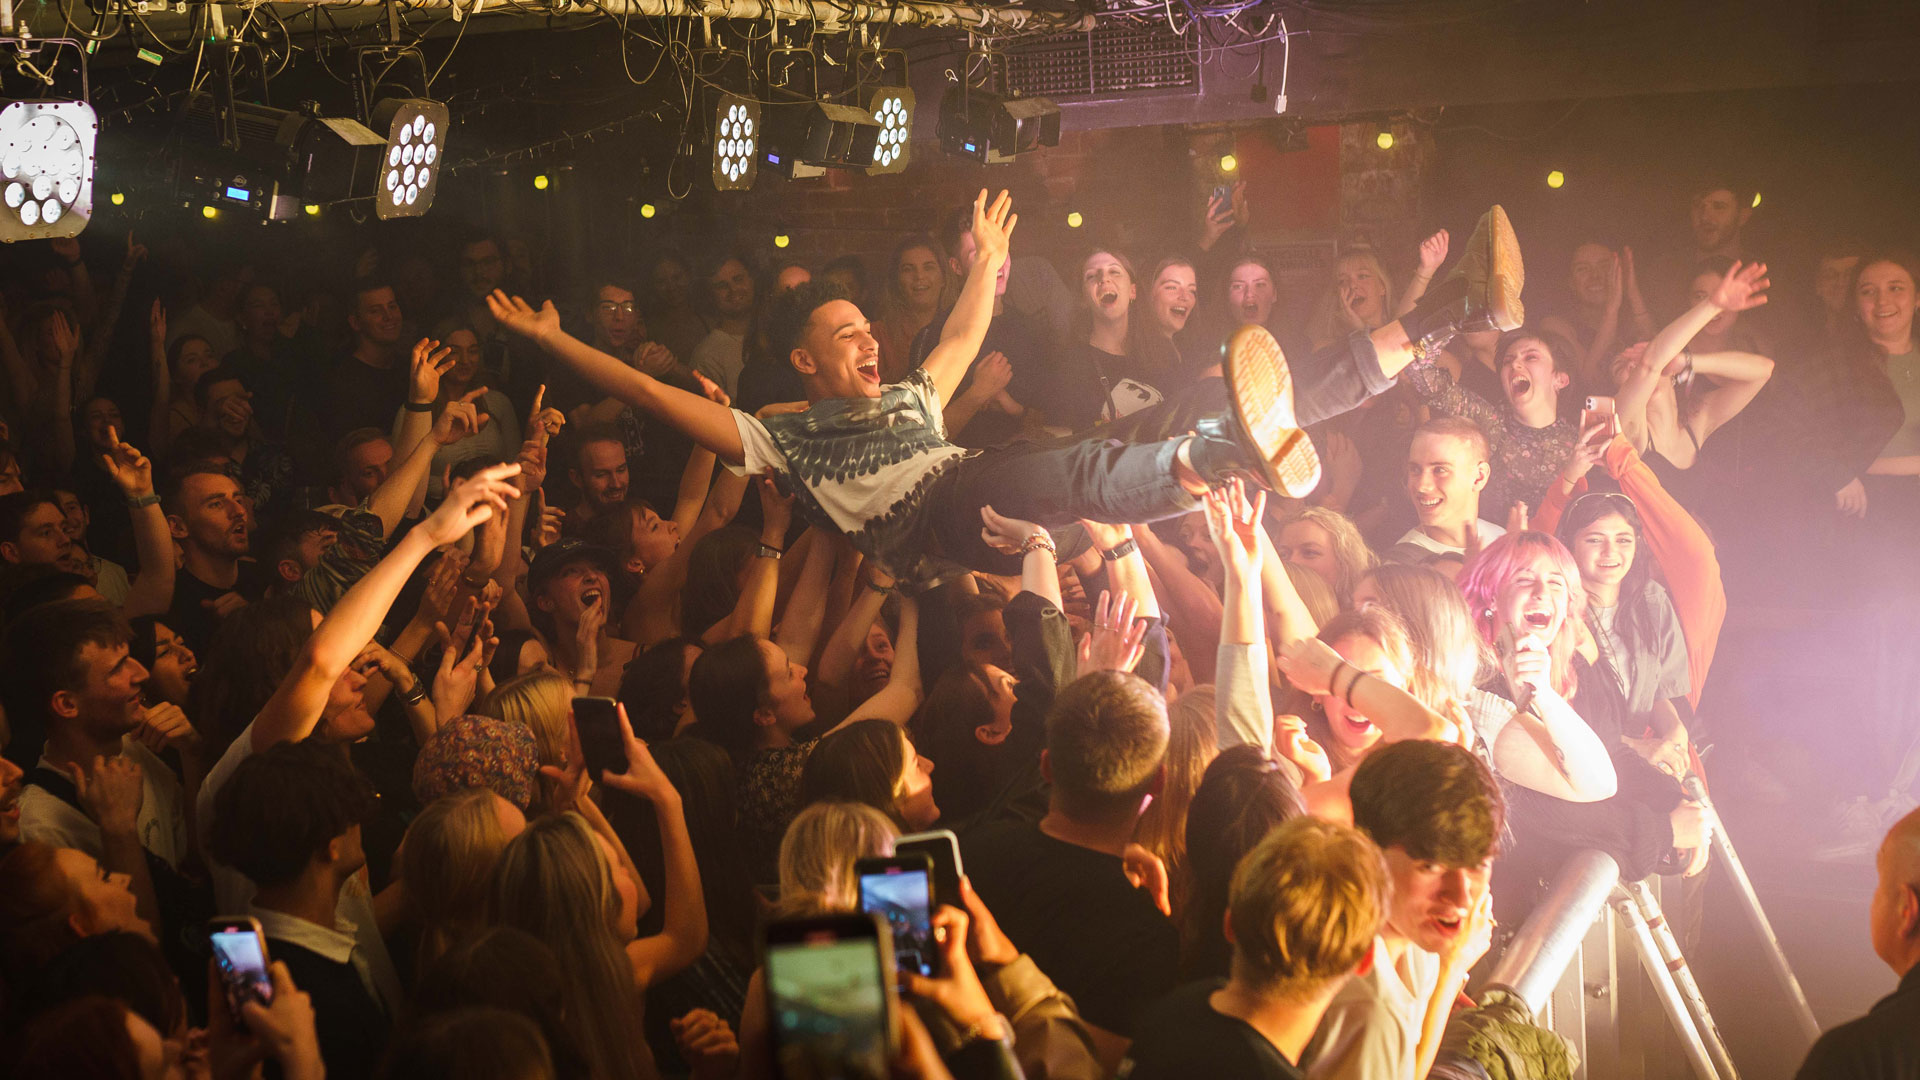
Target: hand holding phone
(830, 997)
(900, 891)
(1600, 409)
(240, 956)
(943, 847)
(602, 745)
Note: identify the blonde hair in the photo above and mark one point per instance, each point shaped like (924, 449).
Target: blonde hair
(1385, 630)
(1327, 323)
(539, 700)
(447, 860)
(551, 881)
(1192, 744)
(1314, 590)
(1306, 904)
(819, 850)
(1350, 551)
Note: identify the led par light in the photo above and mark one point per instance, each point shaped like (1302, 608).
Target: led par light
(892, 106)
(808, 138)
(46, 166)
(736, 138)
(991, 129)
(416, 145)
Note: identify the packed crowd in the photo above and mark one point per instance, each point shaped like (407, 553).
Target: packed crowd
(1244, 641)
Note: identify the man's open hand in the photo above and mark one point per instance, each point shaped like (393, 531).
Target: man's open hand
(522, 318)
(993, 228)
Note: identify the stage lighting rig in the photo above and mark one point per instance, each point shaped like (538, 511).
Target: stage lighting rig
(46, 153)
(806, 138)
(892, 106)
(736, 141)
(991, 128)
(415, 151)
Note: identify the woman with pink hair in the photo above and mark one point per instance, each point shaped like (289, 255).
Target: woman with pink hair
(1526, 599)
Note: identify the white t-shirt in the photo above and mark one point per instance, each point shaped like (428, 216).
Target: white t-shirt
(1489, 532)
(720, 356)
(865, 464)
(162, 825)
(1372, 1029)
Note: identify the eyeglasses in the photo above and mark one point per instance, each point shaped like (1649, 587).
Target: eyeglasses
(609, 307)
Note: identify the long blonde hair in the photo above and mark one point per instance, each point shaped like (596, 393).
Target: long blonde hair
(1192, 744)
(540, 700)
(818, 853)
(1327, 323)
(554, 881)
(447, 862)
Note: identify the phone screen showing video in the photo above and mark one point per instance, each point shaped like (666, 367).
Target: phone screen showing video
(829, 1003)
(242, 963)
(904, 898)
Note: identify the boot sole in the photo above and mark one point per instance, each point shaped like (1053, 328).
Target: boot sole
(1260, 387)
(1506, 276)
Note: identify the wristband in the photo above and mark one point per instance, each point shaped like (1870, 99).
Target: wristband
(1333, 678)
(418, 406)
(1037, 542)
(137, 502)
(768, 551)
(1355, 681)
(883, 590)
(414, 695)
(1120, 550)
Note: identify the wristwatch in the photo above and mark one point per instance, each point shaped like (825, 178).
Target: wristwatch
(768, 551)
(1121, 550)
(414, 694)
(136, 502)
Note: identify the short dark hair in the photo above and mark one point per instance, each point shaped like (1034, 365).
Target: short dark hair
(792, 310)
(955, 223)
(1459, 427)
(351, 441)
(1434, 800)
(1106, 740)
(727, 686)
(852, 265)
(40, 653)
(594, 432)
(365, 285)
(14, 509)
(282, 807)
(280, 537)
(177, 480)
(213, 376)
(1708, 183)
(654, 684)
(28, 585)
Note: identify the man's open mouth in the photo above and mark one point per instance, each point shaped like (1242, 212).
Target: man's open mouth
(870, 370)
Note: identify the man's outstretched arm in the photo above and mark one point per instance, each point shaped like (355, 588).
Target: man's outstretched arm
(966, 326)
(705, 422)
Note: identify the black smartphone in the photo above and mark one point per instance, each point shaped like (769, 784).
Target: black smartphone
(240, 955)
(598, 721)
(1223, 195)
(830, 997)
(900, 891)
(943, 848)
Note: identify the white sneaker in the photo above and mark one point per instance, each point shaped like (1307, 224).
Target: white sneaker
(1861, 824)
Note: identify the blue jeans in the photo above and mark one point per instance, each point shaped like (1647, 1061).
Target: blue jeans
(1055, 485)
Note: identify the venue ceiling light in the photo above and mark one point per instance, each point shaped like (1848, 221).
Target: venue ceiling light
(892, 106)
(46, 167)
(736, 138)
(416, 133)
(990, 129)
(806, 138)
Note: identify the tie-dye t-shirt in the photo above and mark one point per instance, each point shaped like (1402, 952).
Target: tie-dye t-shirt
(862, 466)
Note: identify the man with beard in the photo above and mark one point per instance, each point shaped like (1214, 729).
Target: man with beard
(730, 298)
(599, 473)
(370, 379)
(205, 514)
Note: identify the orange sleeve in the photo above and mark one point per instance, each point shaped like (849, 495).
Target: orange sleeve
(1685, 555)
(1547, 518)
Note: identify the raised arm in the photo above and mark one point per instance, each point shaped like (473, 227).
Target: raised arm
(132, 473)
(158, 429)
(683, 936)
(966, 326)
(295, 707)
(709, 424)
(901, 697)
(1243, 706)
(1549, 748)
(1742, 288)
(1433, 252)
(1736, 378)
(806, 608)
(1686, 557)
(1313, 667)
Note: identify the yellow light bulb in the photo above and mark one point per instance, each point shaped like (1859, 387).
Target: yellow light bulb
(117, 198)
(1384, 140)
(540, 182)
(312, 209)
(209, 213)
(1756, 199)
(1556, 178)
(1228, 163)
(781, 240)
(647, 210)
(1074, 220)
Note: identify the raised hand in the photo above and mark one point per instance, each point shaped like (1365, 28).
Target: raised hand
(1309, 664)
(992, 374)
(66, 340)
(522, 318)
(443, 588)
(164, 725)
(1517, 518)
(776, 511)
(543, 423)
(1433, 252)
(455, 684)
(1744, 287)
(1007, 534)
(643, 777)
(429, 362)
(110, 792)
(1291, 741)
(1234, 524)
(135, 253)
(460, 419)
(129, 468)
(1589, 451)
(993, 228)
(157, 325)
(956, 990)
(1530, 666)
(471, 502)
(1616, 284)
(1115, 641)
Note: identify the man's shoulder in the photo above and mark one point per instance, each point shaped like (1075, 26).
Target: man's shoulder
(1183, 1035)
(1882, 1045)
(49, 819)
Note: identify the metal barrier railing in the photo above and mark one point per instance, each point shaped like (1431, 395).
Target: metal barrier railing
(1533, 961)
